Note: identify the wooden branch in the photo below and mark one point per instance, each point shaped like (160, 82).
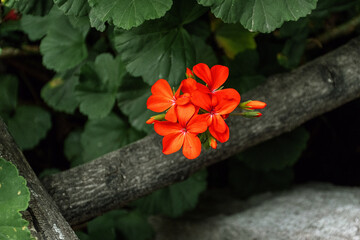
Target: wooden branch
(46, 221)
(140, 168)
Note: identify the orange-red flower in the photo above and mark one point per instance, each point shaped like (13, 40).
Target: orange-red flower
(182, 134)
(223, 103)
(163, 99)
(214, 77)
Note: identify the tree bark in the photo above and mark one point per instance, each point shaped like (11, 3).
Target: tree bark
(140, 168)
(46, 221)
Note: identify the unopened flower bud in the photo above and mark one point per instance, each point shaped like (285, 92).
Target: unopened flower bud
(251, 114)
(251, 105)
(189, 73)
(156, 118)
(213, 143)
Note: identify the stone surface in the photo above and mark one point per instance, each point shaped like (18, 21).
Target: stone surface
(309, 212)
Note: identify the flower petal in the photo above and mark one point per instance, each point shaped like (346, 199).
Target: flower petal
(221, 137)
(219, 74)
(184, 113)
(164, 128)
(162, 88)
(192, 146)
(158, 103)
(228, 100)
(197, 124)
(219, 124)
(203, 72)
(171, 114)
(188, 85)
(183, 99)
(201, 100)
(173, 142)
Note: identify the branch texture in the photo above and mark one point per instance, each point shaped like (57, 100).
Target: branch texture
(140, 168)
(46, 221)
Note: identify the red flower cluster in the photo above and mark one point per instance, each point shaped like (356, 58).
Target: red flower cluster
(193, 109)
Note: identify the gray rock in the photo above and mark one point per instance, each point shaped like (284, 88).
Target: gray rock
(309, 212)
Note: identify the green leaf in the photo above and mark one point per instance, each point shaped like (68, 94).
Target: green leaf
(73, 148)
(174, 200)
(277, 153)
(260, 15)
(29, 125)
(35, 26)
(244, 71)
(59, 93)
(98, 85)
(245, 182)
(8, 94)
(132, 98)
(104, 135)
(233, 38)
(33, 7)
(63, 47)
(74, 7)
(161, 48)
(297, 33)
(14, 197)
(95, 22)
(131, 225)
(48, 171)
(129, 13)
(204, 53)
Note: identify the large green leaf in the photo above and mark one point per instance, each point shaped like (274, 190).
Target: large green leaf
(277, 153)
(260, 15)
(59, 93)
(29, 125)
(73, 7)
(105, 135)
(129, 13)
(14, 197)
(33, 7)
(172, 201)
(98, 85)
(35, 26)
(8, 94)
(64, 46)
(161, 48)
(132, 98)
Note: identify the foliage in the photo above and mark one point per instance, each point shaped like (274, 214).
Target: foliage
(14, 197)
(76, 75)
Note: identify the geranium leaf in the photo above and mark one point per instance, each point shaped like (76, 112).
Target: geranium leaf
(73, 149)
(172, 201)
(73, 7)
(64, 46)
(98, 85)
(8, 94)
(33, 7)
(161, 48)
(59, 93)
(104, 135)
(260, 15)
(14, 197)
(131, 225)
(129, 13)
(29, 125)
